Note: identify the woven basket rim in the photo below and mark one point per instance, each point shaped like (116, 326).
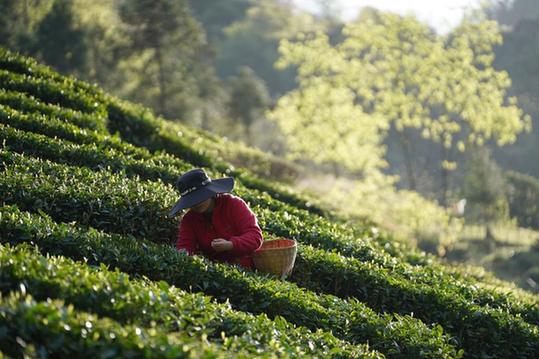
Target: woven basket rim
(278, 248)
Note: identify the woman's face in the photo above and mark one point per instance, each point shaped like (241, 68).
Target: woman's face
(202, 206)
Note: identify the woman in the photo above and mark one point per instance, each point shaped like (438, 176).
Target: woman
(219, 225)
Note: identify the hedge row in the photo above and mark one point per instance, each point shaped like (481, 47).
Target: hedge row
(33, 329)
(382, 289)
(140, 122)
(134, 123)
(14, 62)
(322, 233)
(30, 104)
(108, 201)
(45, 85)
(352, 321)
(93, 156)
(171, 166)
(417, 293)
(52, 127)
(140, 128)
(141, 302)
(479, 330)
(50, 92)
(96, 156)
(137, 125)
(57, 129)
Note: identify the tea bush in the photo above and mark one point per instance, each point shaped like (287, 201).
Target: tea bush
(140, 302)
(123, 184)
(348, 320)
(424, 294)
(30, 328)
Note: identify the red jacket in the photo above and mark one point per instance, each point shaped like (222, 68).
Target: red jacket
(232, 220)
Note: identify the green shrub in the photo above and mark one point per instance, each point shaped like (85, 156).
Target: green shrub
(477, 328)
(29, 104)
(22, 65)
(29, 328)
(49, 92)
(65, 203)
(139, 127)
(140, 302)
(524, 199)
(349, 320)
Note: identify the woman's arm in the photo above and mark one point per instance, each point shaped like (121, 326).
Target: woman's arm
(186, 236)
(250, 238)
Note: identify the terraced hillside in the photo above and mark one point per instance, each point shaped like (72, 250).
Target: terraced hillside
(87, 266)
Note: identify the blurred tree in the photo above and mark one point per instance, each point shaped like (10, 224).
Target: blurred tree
(166, 40)
(254, 42)
(152, 52)
(78, 37)
(484, 188)
(518, 56)
(329, 10)
(216, 15)
(324, 125)
(105, 42)
(249, 98)
(18, 22)
(523, 199)
(511, 12)
(13, 19)
(399, 70)
(62, 44)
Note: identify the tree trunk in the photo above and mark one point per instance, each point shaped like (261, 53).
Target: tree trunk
(444, 177)
(490, 240)
(25, 17)
(162, 99)
(408, 159)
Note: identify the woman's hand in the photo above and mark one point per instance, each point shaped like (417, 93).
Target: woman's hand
(221, 245)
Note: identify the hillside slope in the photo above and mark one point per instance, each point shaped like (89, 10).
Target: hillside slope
(87, 181)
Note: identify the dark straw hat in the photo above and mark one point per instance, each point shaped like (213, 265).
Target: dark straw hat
(195, 186)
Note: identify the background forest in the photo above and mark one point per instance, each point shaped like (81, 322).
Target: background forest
(430, 136)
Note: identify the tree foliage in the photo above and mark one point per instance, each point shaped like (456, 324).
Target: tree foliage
(216, 15)
(511, 12)
(61, 41)
(248, 98)
(254, 42)
(523, 194)
(18, 22)
(323, 124)
(394, 70)
(168, 40)
(484, 188)
(518, 56)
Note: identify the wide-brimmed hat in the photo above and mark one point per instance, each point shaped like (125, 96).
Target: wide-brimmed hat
(195, 186)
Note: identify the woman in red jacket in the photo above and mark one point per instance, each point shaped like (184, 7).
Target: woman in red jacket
(219, 225)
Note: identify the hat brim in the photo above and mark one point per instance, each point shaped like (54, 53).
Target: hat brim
(221, 185)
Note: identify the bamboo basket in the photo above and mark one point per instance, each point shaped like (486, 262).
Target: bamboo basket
(276, 257)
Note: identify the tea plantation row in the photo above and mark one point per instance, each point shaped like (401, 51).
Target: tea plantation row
(164, 309)
(348, 320)
(127, 196)
(494, 329)
(168, 168)
(34, 329)
(139, 126)
(347, 237)
(94, 157)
